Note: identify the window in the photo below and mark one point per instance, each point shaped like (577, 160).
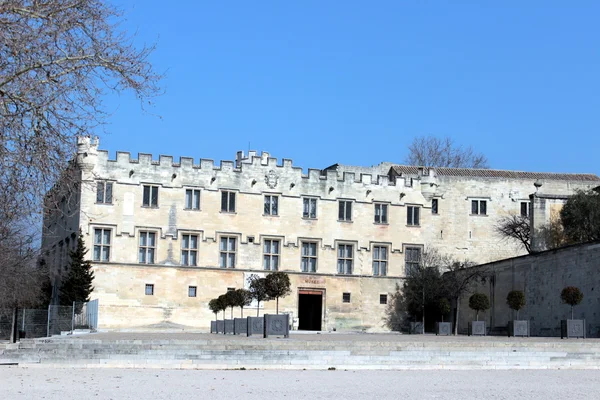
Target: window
(150, 198)
(147, 247)
(525, 208)
(271, 205)
(434, 206)
(101, 244)
(309, 209)
(192, 291)
(412, 216)
(228, 202)
(192, 199)
(309, 257)
(412, 259)
(345, 258)
(189, 250)
(149, 289)
(227, 252)
(345, 297)
(381, 213)
(345, 210)
(383, 299)
(271, 254)
(380, 260)
(478, 207)
(104, 192)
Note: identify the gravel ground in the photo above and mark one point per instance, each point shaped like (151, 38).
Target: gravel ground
(114, 384)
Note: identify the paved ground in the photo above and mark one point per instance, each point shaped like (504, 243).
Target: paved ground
(59, 384)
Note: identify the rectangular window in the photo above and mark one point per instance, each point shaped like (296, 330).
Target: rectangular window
(381, 213)
(271, 205)
(309, 257)
(345, 259)
(479, 207)
(345, 210)
(101, 244)
(412, 216)
(309, 208)
(147, 247)
(412, 260)
(271, 254)
(434, 206)
(346, 297)
(192, 199)
(228, 202)
(150, 198)
(227, 249)
(525, 208)
(383, 299)
(149, 289)
(189, 250)
(104, 192)
(192, 291)
(380, 260)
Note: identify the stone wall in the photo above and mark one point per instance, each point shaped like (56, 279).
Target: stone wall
(541, 277)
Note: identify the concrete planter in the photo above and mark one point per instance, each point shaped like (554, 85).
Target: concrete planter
(572, 328)
(220, 326)
(416, 328)
(240, 325)
(213, 326)
(277, 325)
(477, 328)
(256, 326)
(518, 328)
(443, 328)
(228, 326)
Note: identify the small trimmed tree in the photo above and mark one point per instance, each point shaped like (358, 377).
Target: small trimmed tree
(243, 298)
(516, 300)
(444, 307)
(222, 299)
(479, 302)
(258, 290)
(77, 286)
(215, 307)
(278, 285)
(572, 296)
(231, 300)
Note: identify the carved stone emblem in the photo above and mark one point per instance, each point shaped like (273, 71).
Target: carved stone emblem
(271, 179)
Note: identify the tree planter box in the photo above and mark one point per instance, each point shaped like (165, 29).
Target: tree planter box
(240, 325)
(213, 326)
(220, 327)
(228, 326)
(443, 328)
(572, 328)
(256, 326)
(477, 328)
(416, 328)
(518, 328)
(277, 325)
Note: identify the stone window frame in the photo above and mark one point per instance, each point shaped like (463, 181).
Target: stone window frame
(194, 197)
(271, 260)
(343, 270)
(383, 298)
(270, 205)
(192, 291)
(146, 248)
(346, 297)
(525, 211)
(476, 209)
(380, 260)
(413, 215)
(306, 207)
(103, 194)
(407, 250)
(150, 195)
(102, 245)
(383, 215)
(228, 197)
(309, 257)
(188, 251)
(435, 204)
(149, 289)
(229, 254)
(345, 210)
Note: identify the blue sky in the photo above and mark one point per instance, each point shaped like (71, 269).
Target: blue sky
(353, 82)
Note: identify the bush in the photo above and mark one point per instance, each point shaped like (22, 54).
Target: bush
(479, 302)
(516, 300)
(572, 296)
(444, 307)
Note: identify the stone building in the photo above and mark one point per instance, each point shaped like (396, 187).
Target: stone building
(166, 235)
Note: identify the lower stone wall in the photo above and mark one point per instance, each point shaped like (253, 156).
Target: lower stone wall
(123, 303)
(541, 277)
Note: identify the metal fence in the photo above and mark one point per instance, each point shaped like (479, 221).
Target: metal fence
(55, 320)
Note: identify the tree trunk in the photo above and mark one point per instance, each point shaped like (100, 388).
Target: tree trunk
(517, 315)
(456, 320)
(477, 316)
(571, 312)
(257, 307)
(14, 328)
(242, 311)
(231, 313)
(277, 307)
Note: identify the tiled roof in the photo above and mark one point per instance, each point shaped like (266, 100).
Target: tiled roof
(408, 170)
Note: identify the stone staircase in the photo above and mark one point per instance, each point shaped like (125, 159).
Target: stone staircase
(212, 352)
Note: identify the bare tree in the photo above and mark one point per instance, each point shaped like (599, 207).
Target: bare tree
(430, 151)
(516, 228)
(57, 59)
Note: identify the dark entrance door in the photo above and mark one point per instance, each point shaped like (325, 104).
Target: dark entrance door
(310, 306)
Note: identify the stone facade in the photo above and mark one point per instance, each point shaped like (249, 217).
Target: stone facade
(262, 209)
